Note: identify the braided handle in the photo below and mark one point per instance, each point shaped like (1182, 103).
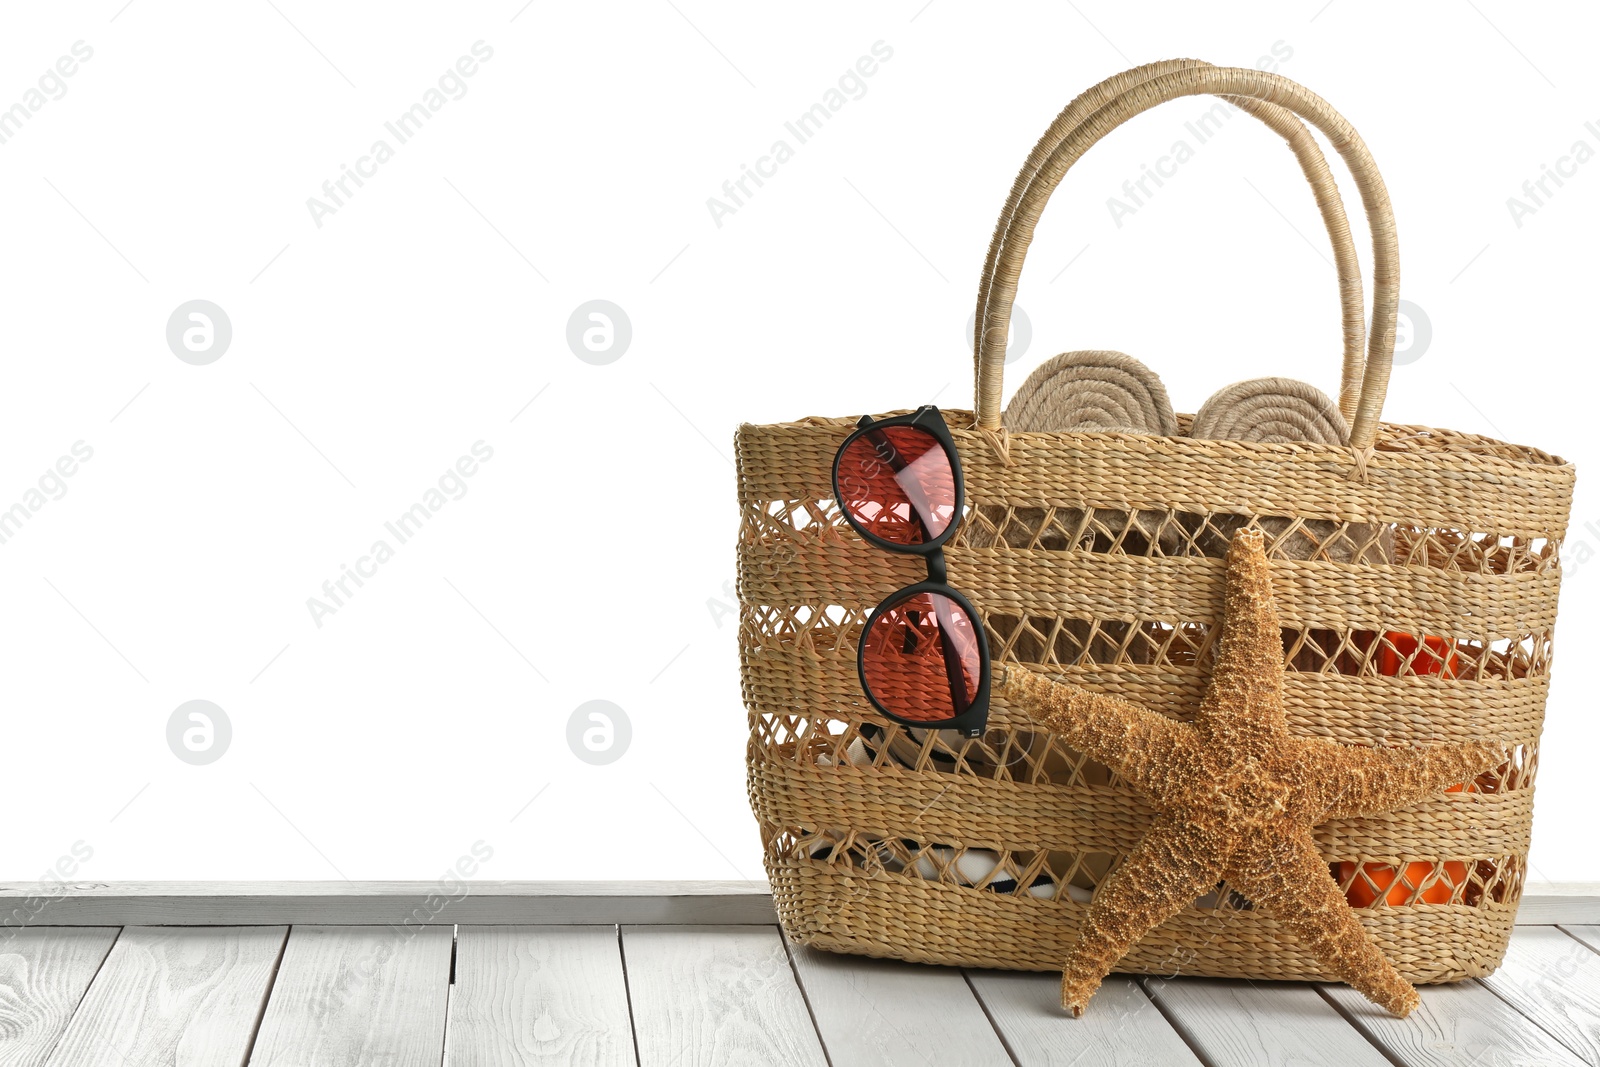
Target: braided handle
(1274, 100)
(1312, 162)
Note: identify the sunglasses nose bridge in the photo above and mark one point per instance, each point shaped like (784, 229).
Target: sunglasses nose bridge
(936, 567)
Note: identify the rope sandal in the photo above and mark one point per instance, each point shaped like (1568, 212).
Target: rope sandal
(1088, 392)
(1285, 411)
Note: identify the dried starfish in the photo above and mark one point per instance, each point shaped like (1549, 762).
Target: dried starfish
(1236, 798)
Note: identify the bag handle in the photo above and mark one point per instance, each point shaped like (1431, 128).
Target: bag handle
(999, 289)
(1312, 163)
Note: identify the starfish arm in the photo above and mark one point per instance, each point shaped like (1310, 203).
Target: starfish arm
(1147, 748)
(1350, 781)
(1242, 708)
(1251, 641)
(1172, 864)
(1285, 876)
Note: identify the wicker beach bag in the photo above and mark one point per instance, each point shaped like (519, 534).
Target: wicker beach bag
(1436, 626)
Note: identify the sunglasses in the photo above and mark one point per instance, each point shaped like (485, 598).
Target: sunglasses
(923, 657)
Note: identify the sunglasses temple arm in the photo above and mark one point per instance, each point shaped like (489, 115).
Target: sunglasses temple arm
(954, 672)
(896, 463)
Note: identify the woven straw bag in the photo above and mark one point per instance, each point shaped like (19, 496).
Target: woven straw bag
(928, 847)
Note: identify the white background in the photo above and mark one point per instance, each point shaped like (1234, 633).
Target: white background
(588, 557)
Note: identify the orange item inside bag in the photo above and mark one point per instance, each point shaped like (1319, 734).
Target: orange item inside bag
(1397, 889)
(1427, 655)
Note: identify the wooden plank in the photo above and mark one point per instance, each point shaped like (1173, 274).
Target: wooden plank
(358, 996)
(1456, 1024)
(1230, 1022)
(174, 996)
(871, 1011)
(716, 995)
(44, 972)
(1553, 979)
(399, 903)
(1563, 903)
(1589, 935)
(527, 995)
(1121, 1028)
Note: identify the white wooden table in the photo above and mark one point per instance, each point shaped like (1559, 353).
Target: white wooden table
(690, 980)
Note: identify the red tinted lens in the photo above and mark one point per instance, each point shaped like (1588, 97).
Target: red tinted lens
(921, 659)
(897, 485)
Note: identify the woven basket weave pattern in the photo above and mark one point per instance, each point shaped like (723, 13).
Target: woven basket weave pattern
(1478, 524)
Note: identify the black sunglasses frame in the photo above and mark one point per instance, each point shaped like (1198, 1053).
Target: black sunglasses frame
(974, 719)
